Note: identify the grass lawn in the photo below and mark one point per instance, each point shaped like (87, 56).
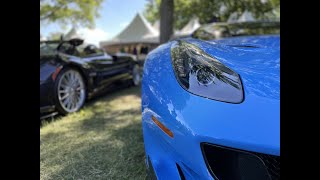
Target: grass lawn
(101, 141)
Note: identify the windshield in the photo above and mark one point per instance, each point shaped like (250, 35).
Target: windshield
(47, 49)
(222, 30)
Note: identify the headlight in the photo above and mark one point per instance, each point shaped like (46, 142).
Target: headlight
(203, 75)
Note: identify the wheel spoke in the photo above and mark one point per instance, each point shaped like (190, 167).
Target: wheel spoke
(63, 86)
(65, 96)
(79, 89)
(67, 78)
(65, 102)
(76, 83)
(69, 103)
(75, 102)
(63, 91)
(73, 75)
(78, 98)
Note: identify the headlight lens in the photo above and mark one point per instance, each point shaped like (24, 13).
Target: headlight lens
(203, 75)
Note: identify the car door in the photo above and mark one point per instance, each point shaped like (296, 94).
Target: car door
(102, 63)
(122, 66)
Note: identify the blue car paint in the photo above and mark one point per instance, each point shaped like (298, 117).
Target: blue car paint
(253, 125)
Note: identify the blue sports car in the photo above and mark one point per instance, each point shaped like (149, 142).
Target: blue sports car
(211, 104)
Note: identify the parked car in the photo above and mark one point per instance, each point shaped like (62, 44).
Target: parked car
(69, 74)
(211, 104)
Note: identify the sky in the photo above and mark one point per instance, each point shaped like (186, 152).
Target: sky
(115, 15)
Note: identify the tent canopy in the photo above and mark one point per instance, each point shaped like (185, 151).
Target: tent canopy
(141, 31)
(138, 31)
(246, 16)
(192, 25)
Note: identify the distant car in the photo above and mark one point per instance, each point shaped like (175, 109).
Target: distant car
(69, 73)
(211, 104)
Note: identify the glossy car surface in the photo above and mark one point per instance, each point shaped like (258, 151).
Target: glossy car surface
(178, 125)
(97, 69)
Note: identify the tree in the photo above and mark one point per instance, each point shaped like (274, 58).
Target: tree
(166, 20)
(207, 10)
(76, 12)
(152, 10)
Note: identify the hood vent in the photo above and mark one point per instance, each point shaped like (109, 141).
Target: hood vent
(245, 46)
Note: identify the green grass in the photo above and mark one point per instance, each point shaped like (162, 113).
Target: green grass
(101, 141)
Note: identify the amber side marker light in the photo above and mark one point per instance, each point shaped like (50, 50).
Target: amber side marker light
(162, 127)
(55, 74)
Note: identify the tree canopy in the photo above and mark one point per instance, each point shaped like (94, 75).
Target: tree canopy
(75, 12)
(209, 10)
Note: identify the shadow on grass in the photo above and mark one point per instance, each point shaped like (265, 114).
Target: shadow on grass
(104, 115)
(106, 144)
(120, 156)
(101, 120)
(115, 91)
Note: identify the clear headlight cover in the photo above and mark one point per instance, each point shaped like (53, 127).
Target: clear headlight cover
(203, 75)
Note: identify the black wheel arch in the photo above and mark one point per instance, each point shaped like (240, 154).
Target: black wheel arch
(85, 74)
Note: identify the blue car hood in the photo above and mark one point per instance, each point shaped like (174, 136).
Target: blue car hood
(255, 58)
(256, 120)
(252, 125)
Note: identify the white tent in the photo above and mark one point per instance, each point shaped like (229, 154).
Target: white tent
(138, 31)
(191, 26)
(245, 17)
(156, 25)
(233, 18)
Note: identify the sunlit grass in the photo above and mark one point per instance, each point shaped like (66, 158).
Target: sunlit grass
(102, 141)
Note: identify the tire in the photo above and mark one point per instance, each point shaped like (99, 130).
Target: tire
(69, 91)
(136, 75)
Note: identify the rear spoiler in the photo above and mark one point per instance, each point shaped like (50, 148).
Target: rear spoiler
(73, 42)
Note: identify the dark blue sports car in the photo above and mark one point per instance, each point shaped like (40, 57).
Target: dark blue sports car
(211, 104)
(71, 72)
